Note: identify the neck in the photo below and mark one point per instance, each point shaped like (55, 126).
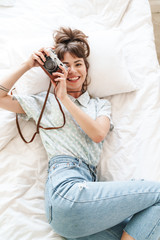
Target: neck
(75, 94)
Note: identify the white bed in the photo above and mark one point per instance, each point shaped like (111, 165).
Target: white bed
(131, 150)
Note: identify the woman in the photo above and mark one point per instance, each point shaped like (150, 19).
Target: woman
(77, 206)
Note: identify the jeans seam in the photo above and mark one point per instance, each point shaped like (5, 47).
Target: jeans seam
(100, 198)
(153, 230)
(113, 233)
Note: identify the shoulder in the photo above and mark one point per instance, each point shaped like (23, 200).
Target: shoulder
(34, 101)
(39, 97)
(99, 102)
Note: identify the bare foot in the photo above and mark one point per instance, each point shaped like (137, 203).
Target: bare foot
(126, 236)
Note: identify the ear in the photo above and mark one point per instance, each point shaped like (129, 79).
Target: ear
(86, 65)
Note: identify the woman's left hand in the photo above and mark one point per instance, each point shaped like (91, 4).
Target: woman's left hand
(61, 85)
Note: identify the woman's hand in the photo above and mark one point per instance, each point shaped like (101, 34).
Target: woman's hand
(61, 85)
(37, 57)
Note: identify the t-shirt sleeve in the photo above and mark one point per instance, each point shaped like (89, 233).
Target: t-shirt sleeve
(31, 105)
(104, 109)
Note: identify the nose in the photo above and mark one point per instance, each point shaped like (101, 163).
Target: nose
(71, 69)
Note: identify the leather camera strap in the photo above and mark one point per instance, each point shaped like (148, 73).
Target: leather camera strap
(40, 117)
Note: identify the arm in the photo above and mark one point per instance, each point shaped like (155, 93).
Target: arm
(8, 82)
(7, 101)
(95, 129)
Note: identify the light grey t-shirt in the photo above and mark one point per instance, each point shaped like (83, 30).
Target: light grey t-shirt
(71, 139)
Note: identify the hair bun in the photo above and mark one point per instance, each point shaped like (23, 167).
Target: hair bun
(67, 35)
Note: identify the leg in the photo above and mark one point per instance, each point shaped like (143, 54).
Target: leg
(147, 222)
(99, 206)
(79, 208)
(113, 233)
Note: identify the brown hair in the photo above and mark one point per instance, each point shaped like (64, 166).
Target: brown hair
(72, 41)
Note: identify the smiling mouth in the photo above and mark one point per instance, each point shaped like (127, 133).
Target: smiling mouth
(73, 79)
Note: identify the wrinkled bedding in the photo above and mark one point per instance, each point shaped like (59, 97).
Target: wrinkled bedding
(131, 150)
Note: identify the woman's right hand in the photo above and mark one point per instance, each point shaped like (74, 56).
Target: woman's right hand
(36, 58)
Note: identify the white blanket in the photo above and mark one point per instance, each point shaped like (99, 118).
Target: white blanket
(131, 150)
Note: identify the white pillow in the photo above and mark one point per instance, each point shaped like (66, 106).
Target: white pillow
(108, 71)
(34, 80)
(108, 12)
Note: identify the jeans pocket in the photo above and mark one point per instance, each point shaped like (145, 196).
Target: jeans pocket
(59, 167)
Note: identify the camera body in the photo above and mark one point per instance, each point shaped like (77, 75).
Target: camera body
(52, 63)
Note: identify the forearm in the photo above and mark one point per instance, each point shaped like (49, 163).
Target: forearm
(91, 127)
(7, 82)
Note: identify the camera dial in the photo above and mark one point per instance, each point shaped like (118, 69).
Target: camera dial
(50, 65)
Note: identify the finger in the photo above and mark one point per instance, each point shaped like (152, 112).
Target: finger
(41, 55)
(44, 50)
(63, 70)
(54, 84)
(58, 74)
(59, 79)
(35, 57)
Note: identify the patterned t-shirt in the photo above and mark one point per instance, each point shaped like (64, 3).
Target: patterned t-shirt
(71, 139)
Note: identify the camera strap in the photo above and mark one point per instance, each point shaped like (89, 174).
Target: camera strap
(40, 117)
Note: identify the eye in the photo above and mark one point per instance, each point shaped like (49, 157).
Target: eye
(78, 64)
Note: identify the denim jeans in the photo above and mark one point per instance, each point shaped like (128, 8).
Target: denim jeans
(79, 207)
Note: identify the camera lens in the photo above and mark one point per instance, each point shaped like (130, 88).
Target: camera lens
(50, 65)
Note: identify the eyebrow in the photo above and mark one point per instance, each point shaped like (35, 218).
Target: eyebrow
(74, 62)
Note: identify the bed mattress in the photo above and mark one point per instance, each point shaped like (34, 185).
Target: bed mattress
(131, 150)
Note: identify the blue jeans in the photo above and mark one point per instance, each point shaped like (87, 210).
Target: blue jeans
(79, 207)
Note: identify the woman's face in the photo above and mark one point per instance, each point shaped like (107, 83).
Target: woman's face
(76, 73)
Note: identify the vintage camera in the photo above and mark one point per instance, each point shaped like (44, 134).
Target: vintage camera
(52, 63)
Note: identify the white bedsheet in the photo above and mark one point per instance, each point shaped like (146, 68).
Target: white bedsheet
(131, 150)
